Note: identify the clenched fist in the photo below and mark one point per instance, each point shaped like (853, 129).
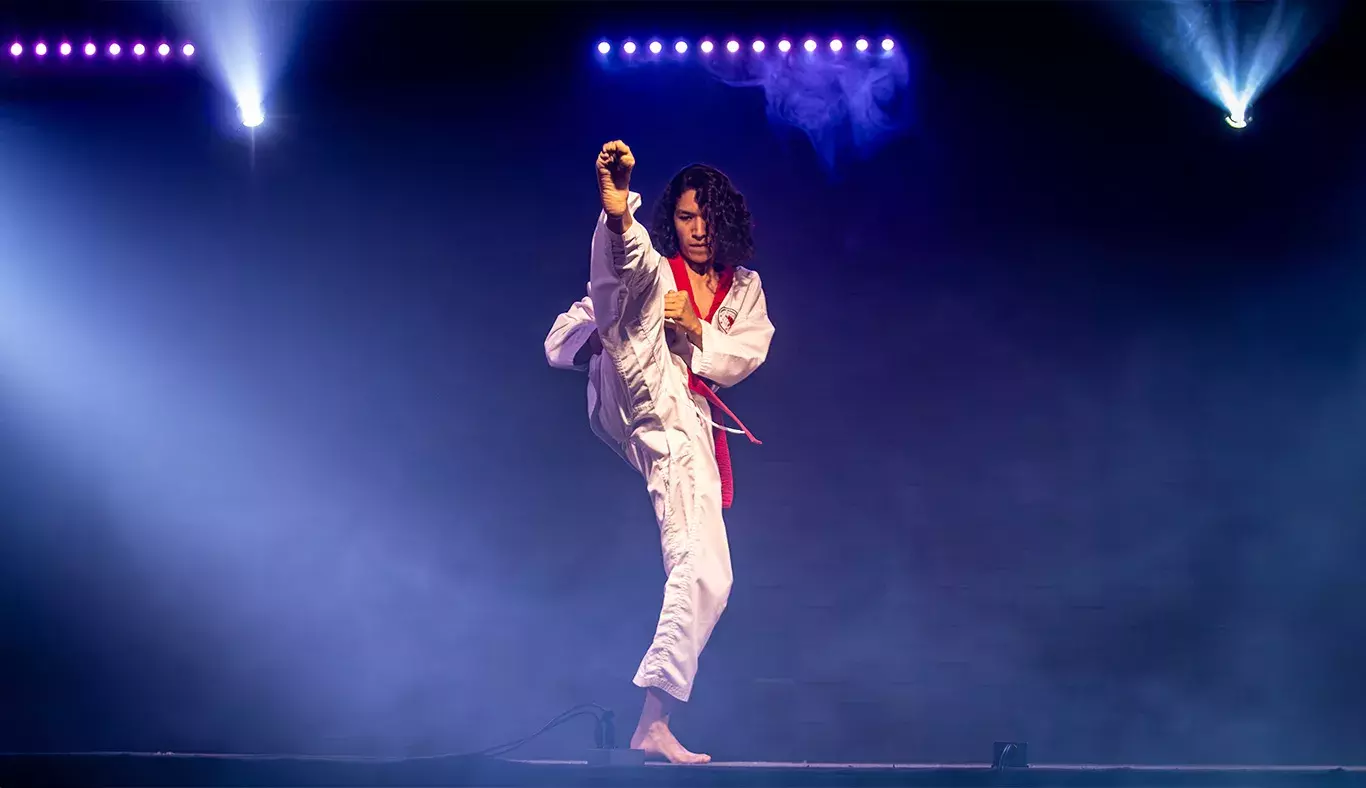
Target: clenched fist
(615, 163)
(678, 310)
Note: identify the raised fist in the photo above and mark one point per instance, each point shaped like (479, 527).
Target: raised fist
(615, 163)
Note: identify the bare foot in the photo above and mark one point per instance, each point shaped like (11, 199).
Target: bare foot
(658, 741)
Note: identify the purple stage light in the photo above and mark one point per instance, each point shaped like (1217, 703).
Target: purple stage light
(784, 46)
(139, 50)
(16, 49)
(65, 48)
(758, 46)
(40, 50)
(604, 48)
(89, 50)
(887, 45)
(810, 45)
(188, 50)
(629, 47)
(836, 45)
(707, 47)
(681, 47)
(115, 49)
(732, 46)
(861, 45)
(656, 47)
(164, 49)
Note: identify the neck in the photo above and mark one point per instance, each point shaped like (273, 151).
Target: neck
(701, 269)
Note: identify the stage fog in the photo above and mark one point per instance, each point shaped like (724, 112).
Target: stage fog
(1063, 422)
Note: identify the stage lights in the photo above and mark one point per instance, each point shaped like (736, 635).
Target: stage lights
(113, 50)
(759, 47)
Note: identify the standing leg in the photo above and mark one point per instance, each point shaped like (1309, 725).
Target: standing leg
(686, 490)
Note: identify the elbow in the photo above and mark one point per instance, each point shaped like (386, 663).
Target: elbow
(554, 353)
(735, 377)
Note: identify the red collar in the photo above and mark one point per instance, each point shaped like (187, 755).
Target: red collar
(684, 283)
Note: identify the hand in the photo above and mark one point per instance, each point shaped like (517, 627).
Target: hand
(678, 310)
(615, 163)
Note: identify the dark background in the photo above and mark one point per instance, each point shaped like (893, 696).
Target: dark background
(1064, 420)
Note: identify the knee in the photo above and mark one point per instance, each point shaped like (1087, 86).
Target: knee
(715, 578)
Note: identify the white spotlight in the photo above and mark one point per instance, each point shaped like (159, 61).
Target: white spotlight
(681, 47)
(861, 45)
(252, 114)
(836, 45)
(16, 49)
(810, 45)
(656, 47)
(784, 45)
(164, 49)
(732, 46)
(1237, 119)
(188, 49)
(887, 45)
(629, 47)
(40, 50)
(604, 48)
(707, 47)
(89, 50)
(65, 48)
(758, 45)
(115, 49)
(139, 50)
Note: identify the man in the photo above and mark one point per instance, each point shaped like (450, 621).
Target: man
(663, 324)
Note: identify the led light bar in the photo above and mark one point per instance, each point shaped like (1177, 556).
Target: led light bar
(41, 49)
(656, 48)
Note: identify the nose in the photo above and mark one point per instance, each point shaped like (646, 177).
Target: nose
(698, 230)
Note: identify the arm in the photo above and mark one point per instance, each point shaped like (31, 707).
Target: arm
(622, 248)
(573, 339)
(728, 358)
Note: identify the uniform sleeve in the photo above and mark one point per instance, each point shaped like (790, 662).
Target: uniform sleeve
(728, 358)
(567, 335)
(629, 258)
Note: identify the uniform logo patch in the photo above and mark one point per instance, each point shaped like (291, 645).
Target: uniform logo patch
(725, 319)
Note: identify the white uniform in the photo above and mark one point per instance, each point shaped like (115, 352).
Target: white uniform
(639, 403)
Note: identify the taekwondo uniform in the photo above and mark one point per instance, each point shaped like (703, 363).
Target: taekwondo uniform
(650, 400)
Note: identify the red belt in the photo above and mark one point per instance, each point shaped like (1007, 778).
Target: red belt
(722, 446)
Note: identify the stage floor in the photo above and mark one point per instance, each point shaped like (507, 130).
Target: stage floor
(147, 769)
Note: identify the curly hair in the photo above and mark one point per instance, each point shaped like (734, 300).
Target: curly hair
(729, 223)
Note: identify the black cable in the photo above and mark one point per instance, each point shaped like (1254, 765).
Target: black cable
(604, 733)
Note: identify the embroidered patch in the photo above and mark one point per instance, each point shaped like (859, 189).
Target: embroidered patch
(725, 318)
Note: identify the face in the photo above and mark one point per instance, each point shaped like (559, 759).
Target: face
(691, 229)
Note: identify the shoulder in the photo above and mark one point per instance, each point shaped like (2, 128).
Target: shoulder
(746, 278)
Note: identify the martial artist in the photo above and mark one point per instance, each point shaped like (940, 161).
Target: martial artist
(670, 316)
